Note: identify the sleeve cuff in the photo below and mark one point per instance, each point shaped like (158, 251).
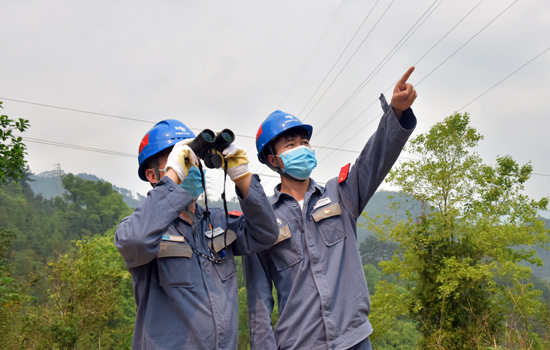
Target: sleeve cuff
(408, 119)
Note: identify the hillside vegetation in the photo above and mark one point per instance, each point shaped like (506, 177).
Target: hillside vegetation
(449, 260)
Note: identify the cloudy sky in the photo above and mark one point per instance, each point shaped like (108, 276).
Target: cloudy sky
(93, 76)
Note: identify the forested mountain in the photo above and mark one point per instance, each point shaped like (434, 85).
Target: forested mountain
(48, 185)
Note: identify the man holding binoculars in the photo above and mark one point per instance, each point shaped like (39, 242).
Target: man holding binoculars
(180, 255)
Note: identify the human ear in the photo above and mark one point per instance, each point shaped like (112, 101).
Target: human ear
(151, 176)
(271, 160)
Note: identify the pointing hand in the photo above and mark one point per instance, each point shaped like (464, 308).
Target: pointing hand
(403, 94)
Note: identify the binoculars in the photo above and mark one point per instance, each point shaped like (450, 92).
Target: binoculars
(207, 143)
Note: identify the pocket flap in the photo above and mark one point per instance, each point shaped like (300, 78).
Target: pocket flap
(327, 212)
(284, 233)
(167, 250)
(219, 240)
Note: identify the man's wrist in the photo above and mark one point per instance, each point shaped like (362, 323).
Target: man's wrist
(173, 176)
(398, 113)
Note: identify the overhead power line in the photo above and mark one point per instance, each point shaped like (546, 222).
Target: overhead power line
(82, 148)
(114, 116)
(314, 51)
(76, 110)
(98, 150)
(97, 113)
(466, 43)
(380, 65)
(448, 32)
(122, 154)
(437, 43)
(312, 54)
(416, 63)
(339, 57)
(508, 76)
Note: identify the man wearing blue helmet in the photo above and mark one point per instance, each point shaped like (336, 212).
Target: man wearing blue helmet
(315, 265)
(179, 255)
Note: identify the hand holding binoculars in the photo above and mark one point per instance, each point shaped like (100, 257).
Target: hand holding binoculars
(207, 143)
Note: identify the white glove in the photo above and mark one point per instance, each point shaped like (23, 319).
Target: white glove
(237, 162)
(181, 158)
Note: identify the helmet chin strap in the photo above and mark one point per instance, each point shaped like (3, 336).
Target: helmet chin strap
(278, 169)
(156, 168)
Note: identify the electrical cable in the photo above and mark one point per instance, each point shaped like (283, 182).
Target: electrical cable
(345, 65)
(321, 147)
(314, 51)
(82, 148)
(460, 48)
(508, 76)
(97, 150)
(341, 54)
(76, 110)
(98, 113)
(437, 43)
(334, 149)
(448, 32)
(378, 67)
(486, 91)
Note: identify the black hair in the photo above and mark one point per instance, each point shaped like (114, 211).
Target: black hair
(292, 132)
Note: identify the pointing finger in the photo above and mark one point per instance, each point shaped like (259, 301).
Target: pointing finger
(406, 76)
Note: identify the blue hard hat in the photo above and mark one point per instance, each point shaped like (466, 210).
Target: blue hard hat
(274, 125)
(164, 134)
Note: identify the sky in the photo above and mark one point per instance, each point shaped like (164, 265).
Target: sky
(92, 77)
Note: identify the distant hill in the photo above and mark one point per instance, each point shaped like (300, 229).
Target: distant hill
(48, 184)
(380, 204)
(543, 271)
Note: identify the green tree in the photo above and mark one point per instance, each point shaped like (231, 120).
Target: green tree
(374, 250)
(373, 276)
(12, 148)
(12, 296)
(12, 167)
(89, 207)
(460, 260)
(90, 303)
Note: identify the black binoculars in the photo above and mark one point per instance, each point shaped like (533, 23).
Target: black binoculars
(207, 143)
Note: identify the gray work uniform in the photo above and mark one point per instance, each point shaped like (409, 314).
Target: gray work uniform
(315, 265)
(185, 301)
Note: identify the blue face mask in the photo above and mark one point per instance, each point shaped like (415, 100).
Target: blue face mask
(299, 162)
(193, 183)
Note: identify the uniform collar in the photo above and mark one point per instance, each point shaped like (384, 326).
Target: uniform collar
(313, 186)
(199, 211)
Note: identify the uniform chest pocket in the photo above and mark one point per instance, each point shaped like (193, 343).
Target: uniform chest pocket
(329, 223)
(175, 266)
(286, 252)
(227, 268)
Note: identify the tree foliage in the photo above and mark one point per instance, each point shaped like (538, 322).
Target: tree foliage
(89, 304)
(12, 294)
(12, 148)
(90, 207)
(82, 295)
(460, 260)
(374, 250)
